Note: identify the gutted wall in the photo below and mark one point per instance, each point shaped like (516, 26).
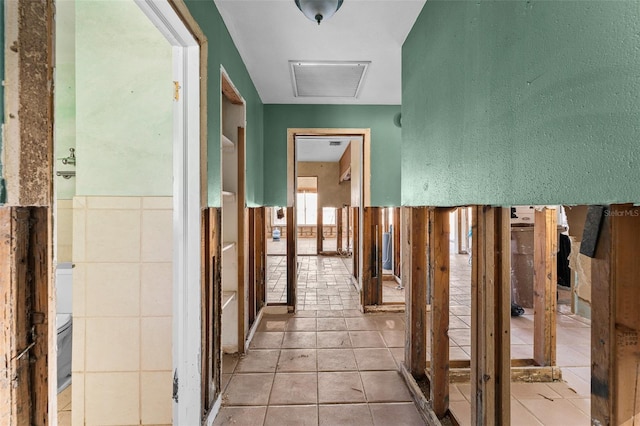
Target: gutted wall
(122, 217)
(385, 145)
(222, 52)
(331, 193)
(521, 102)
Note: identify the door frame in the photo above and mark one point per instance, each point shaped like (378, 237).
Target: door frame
(365, 196)
(187, 202)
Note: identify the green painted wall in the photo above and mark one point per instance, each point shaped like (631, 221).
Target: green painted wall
(65, 94)
(385, 145)
(522, 102)
(222, 51)
(124, 102)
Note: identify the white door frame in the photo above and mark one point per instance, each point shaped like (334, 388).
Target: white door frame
(186, 211)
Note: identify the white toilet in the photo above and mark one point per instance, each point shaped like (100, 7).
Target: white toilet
(64, 282)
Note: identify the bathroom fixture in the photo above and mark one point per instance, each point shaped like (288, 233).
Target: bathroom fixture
(71, 159)
(66, 174)
(317, 10)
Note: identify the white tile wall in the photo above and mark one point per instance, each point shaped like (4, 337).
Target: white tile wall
(122, 249)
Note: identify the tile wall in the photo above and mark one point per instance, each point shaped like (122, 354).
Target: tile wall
(122, 302)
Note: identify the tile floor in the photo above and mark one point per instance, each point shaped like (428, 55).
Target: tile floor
(320, 367)
(64, 407)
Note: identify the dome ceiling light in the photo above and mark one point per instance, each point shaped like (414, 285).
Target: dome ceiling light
(318, 10)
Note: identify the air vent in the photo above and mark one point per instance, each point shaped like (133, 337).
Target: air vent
(327, 79)
(335, 143)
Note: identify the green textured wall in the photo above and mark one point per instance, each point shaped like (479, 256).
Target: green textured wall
(222, 51)
(65, 94)
(385, 145)
(522, 102)
(124, 102)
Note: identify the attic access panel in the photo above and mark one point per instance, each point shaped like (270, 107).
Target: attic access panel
(327, 79)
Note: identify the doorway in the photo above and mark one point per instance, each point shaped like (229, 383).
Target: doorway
(338, 158)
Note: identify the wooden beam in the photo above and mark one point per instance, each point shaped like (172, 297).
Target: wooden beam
(25, 260)
(261, 257)
(230, 92)
(40, 257)
(615, 319)
(339, 230)
(545, 248)
(396, 242)
(355, 216)
(438, 262)
(414, 275)
(319, 232)
(252, 265)
(371, 257)
(291, 257)
(490, 316)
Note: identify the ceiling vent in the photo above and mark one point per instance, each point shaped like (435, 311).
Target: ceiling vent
(327, 79)
(335, 143)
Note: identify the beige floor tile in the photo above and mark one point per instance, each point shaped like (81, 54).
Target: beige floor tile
(361, 324)
(461, 410)
(331, 324)
(293, 360)
(267, 340)
(575, 382)
(301, 324)
(584, 404)
(336, 360)
(292, 415)
(556, 412)
(465, 390)
(229, 363)
(387, 322)
(393, 338)
(333, 339)
(64, 399)
(340, 387)
(246, 416)
(305, 314)
(299, 340)
(366, 339)
(374, 359)
(533, 391)
(404, 414)
(273, 323)
(345, 414)
(384, 386)
(521, 416)
(224, 381)
(330, 314)
(249, 389)
(258, 361)
(294, 389)
(64, 418)
(568, 392)
(455, 394)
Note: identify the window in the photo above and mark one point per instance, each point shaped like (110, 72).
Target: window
(307, 208)
(329, 215)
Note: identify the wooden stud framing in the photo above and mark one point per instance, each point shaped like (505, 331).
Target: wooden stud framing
(339, 229)
(615, 319)
(438, 263)
(252, 265)
(463, 230)
(414, 273)
(319, 232)
(396, 242)
(211, 307)
(291, 257)
(545, 241)
(230, 92)
(355, 218)
(24, 288)
(372, 257)
(490, 316)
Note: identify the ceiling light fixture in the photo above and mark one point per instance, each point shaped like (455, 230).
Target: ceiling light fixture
(317, 10)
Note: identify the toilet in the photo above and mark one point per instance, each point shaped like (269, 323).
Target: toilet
(64, 281)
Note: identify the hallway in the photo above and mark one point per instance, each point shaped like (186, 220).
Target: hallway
(320, 368)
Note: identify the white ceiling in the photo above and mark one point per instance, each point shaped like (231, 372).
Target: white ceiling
(270, 33)
(318, 149)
